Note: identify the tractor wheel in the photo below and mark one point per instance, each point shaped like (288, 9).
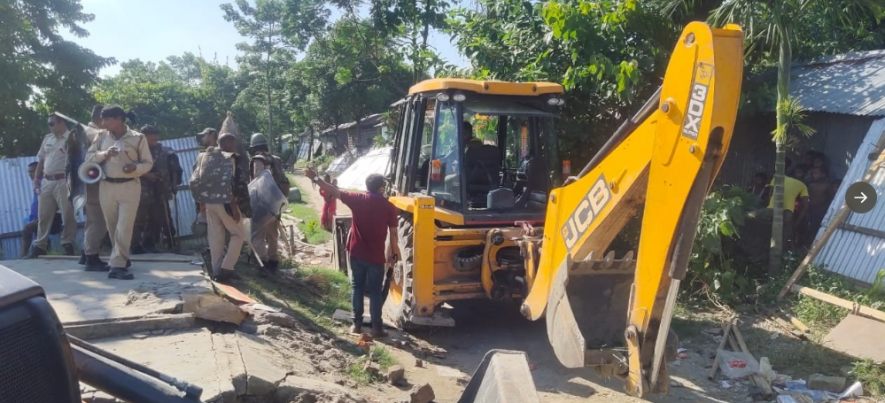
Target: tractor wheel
(400, 297)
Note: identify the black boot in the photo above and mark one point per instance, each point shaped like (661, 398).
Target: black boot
(94, 263)
(120, 273)
(35, 252)
(273, 265)
(69, 249)
(107, 266)
(82, 258)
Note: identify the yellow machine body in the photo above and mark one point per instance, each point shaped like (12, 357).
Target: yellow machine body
(609, 312)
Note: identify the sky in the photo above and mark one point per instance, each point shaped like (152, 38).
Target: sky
(152, 30)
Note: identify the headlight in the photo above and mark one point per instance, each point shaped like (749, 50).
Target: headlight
(553, 101)
(459, 97)
(561, 102)
(442, 97)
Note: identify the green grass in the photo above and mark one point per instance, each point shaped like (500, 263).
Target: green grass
(312, 294)
(310, 224)
(380, 356)
(871, 375)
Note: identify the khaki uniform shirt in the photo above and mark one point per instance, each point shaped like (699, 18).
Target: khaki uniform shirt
(54, 153)
(133, 150)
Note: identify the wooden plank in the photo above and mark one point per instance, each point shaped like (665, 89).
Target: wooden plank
(844, 303)
(233, 293)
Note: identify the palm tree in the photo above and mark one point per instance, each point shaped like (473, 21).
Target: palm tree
(770, 24)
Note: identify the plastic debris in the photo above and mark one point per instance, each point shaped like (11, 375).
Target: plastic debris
(725, 384)
(736, 365)
(765, 369)
(854, 390)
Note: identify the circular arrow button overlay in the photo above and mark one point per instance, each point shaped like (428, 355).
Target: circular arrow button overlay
(860, 197)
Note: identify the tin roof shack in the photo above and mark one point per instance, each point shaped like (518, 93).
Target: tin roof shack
(348, 137)
(842, 94)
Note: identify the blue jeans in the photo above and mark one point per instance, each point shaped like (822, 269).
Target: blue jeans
(366, 275)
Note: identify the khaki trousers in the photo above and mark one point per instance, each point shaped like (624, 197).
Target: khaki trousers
(95, 229)
(119, 203)
(54, 195)
(219, 223)
(266, 241)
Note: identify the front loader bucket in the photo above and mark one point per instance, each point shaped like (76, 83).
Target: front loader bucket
(502, 377)
(587, 312)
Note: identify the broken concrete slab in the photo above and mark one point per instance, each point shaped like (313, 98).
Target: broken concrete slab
(212, 307)
(114, 328)
(190, 355)
(262, 374)
(859, 337)
(293, 386)
(77, 295)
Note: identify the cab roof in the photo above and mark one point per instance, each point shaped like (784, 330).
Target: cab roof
(486, 87)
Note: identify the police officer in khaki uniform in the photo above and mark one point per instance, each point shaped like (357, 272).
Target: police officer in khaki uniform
(95, 228)
(125, 156)
(54, 193)
(155, 195)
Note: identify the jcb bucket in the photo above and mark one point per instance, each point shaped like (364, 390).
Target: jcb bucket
(587, 313)
(502, 377)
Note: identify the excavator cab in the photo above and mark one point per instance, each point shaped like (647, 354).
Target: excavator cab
(484, 151)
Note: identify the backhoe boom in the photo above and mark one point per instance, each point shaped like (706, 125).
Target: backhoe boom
(615, 314)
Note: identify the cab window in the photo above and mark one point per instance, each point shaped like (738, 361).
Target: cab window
(445, 164)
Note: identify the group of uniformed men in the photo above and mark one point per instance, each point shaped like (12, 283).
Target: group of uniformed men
(130, 204)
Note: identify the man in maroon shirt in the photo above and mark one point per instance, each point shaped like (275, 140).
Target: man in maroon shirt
(374, 221)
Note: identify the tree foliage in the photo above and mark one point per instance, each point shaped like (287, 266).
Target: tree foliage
(180, 96)
(40, 71)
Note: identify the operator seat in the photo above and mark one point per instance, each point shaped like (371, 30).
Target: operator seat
(483, 171)
(533, 174)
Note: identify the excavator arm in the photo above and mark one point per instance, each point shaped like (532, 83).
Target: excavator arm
(614, 313)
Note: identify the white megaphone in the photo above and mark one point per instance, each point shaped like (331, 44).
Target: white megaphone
(90, 173)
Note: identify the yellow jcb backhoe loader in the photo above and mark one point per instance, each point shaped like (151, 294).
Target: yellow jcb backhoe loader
(473, 169)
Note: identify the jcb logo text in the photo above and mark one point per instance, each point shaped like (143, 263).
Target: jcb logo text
(588, 209)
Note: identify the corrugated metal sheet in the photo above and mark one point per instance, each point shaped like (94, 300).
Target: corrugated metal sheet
(850, 83)
(849, 253)
(15, 199)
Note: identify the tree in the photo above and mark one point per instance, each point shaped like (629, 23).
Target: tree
(610, 56)
(277, 29)
(347, 73)
(180, 96)
(777, 25)
(408, 23)
(41, 72)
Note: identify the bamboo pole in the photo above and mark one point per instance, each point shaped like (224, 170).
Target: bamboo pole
(722, 342)
(759, 380)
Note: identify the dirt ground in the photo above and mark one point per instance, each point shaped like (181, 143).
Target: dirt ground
(482, 326)
(450, 355)
(310, 194)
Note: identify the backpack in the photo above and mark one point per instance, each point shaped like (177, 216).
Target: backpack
(213, 176)
(276, 170)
